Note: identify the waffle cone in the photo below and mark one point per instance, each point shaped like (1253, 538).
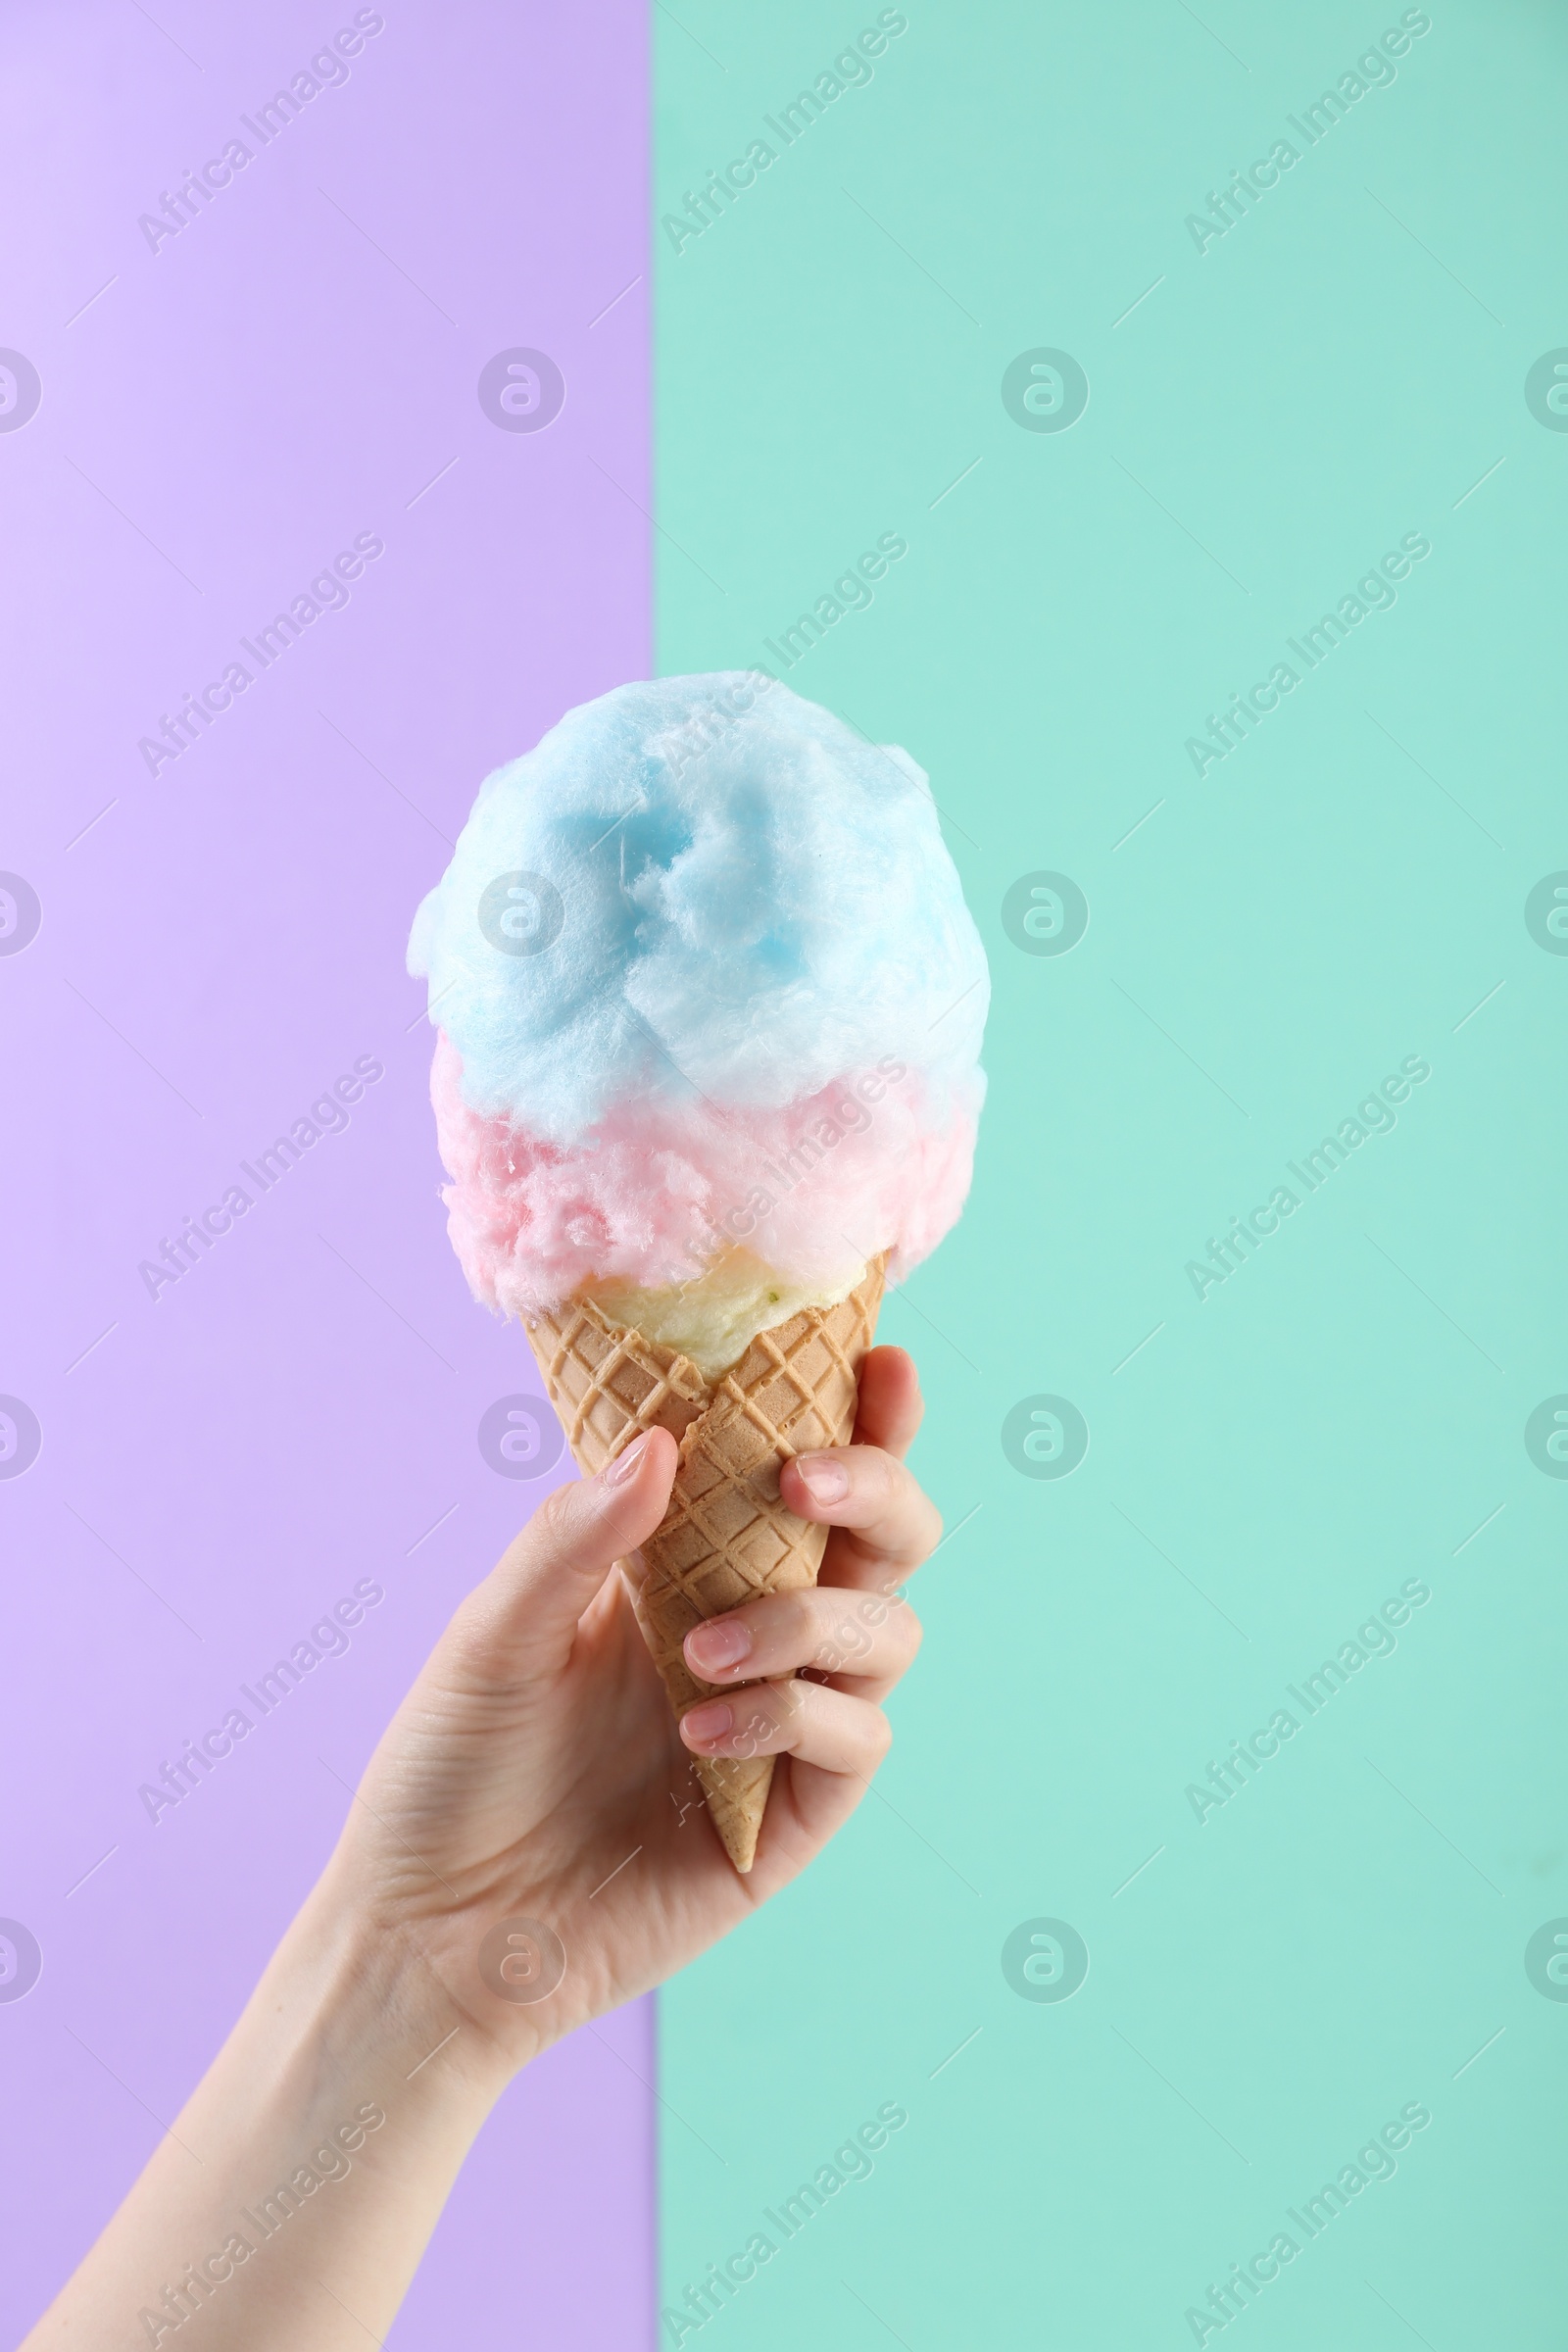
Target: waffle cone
(726, 1538)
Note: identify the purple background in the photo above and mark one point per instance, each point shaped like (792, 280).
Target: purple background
(295, 367)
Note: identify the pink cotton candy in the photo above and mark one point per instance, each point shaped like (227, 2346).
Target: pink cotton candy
(660, 1190)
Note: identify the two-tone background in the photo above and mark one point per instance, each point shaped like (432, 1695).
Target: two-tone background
(1180, 350)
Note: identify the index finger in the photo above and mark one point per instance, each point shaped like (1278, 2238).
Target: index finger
(891, 1406)
(884, 1525)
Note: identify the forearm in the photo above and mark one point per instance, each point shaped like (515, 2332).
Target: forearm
(278, 2211)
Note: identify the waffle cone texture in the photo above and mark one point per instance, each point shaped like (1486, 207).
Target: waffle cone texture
(726, 1538)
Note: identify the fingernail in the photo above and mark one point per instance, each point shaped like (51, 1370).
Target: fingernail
(626, 1466)
(709, 1721)
(826, 1481)
(723, 1643)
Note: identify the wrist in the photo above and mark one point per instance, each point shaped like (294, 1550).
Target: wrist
(362, 1996)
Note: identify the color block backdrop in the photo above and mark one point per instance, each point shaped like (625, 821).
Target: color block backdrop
(1156, 421)
(988, 289)
(287, 375)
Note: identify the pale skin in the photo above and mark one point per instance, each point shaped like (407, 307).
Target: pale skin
(534, 1753)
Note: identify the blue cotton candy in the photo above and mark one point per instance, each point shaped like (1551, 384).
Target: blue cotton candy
(726, 894)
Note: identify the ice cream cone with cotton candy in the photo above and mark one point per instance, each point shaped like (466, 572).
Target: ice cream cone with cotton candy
(710, 1006)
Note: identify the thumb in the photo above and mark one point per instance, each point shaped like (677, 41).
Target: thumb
(522, 1619)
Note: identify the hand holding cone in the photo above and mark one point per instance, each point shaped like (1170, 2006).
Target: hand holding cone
(726, 1538)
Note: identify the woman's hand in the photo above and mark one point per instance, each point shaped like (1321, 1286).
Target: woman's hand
(533, 1803)
(536, 1772)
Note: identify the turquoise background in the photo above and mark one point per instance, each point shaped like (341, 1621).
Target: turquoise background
(1343, 891)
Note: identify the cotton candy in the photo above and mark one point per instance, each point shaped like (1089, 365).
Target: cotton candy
(705, 987)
